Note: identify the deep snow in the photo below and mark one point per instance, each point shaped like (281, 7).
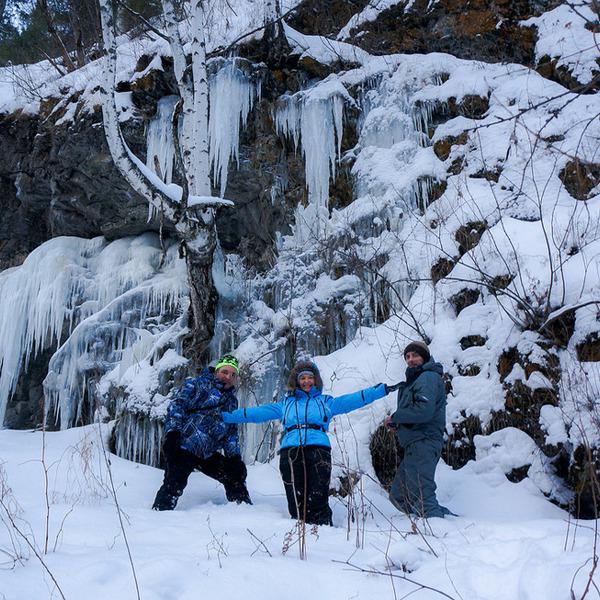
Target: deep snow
(509, 542)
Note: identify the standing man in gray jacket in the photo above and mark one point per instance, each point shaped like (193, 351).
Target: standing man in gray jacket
(419, 421)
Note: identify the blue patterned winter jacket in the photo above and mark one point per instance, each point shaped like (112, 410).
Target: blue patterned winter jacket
(195, 411)
(306, 416)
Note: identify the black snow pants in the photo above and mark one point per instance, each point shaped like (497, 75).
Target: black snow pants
(306, 472)
(230, 471)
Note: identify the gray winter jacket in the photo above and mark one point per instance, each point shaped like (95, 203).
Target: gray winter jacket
(421, 412)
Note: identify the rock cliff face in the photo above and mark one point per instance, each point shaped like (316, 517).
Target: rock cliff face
(57, 178)
(489, 31)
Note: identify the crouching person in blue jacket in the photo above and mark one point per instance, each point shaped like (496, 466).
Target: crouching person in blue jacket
(305, 457)
(195, 432)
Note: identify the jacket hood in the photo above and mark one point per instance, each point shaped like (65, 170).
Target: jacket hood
(431, 365)
(304, 365)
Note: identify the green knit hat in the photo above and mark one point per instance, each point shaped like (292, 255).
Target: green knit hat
(228, 360)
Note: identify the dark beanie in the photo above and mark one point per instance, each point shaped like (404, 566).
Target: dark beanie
(420, 348)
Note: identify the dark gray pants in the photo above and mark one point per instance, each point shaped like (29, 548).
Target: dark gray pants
(413, 488)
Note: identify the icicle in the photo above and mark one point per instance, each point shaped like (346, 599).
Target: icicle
(232, 95)
(159, 139)
(160, 150)
(137, 438)
(316, 125)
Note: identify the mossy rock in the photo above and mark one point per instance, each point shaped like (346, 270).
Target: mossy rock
(468, 235)
(459, 448)
(487, 174)
(500, 282)
(589, 349)
(466, 297)
(580, 178)
(550, 68)
(471, 341)
(441, 269)
(559, 330)
(470, 370)
(457, 165)
(386, 454)
(443, 147)
(582, 478)
(518, 474)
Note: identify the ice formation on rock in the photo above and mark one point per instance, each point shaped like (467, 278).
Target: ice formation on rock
(159, 139)
(232, 95)
(314, 122)
(93, 299)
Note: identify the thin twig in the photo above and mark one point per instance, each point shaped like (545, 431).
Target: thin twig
(422, 586)
(31, 546)
(118, 508)
(260, 542)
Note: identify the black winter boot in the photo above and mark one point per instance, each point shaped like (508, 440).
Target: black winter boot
(238, 493)
(165, 499)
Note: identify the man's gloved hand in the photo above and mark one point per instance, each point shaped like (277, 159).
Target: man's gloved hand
(172, 442)
(392, 388)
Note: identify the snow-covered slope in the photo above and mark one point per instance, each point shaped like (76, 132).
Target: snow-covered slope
(508, 543)
(468, 224)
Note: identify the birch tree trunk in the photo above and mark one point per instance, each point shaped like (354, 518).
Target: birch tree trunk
(195, 226)
(201, 250)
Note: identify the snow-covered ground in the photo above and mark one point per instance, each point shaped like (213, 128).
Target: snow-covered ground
(508, 543)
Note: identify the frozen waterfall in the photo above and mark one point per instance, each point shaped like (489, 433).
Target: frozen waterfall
(93, 299)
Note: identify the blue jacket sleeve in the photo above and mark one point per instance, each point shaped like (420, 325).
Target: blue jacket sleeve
(181, 405)
(418, 406)
(349, 402)
(255, 414)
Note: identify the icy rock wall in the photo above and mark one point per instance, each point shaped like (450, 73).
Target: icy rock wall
(95, 300)
(419, 257)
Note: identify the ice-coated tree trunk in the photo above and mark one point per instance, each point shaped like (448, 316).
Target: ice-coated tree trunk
(195, 226)
(272, 11)
(276, 45)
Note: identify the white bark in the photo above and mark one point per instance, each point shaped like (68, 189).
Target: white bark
(272, 11)
(186, 91)
(120, 152)
(141, 179)
(200, 131)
